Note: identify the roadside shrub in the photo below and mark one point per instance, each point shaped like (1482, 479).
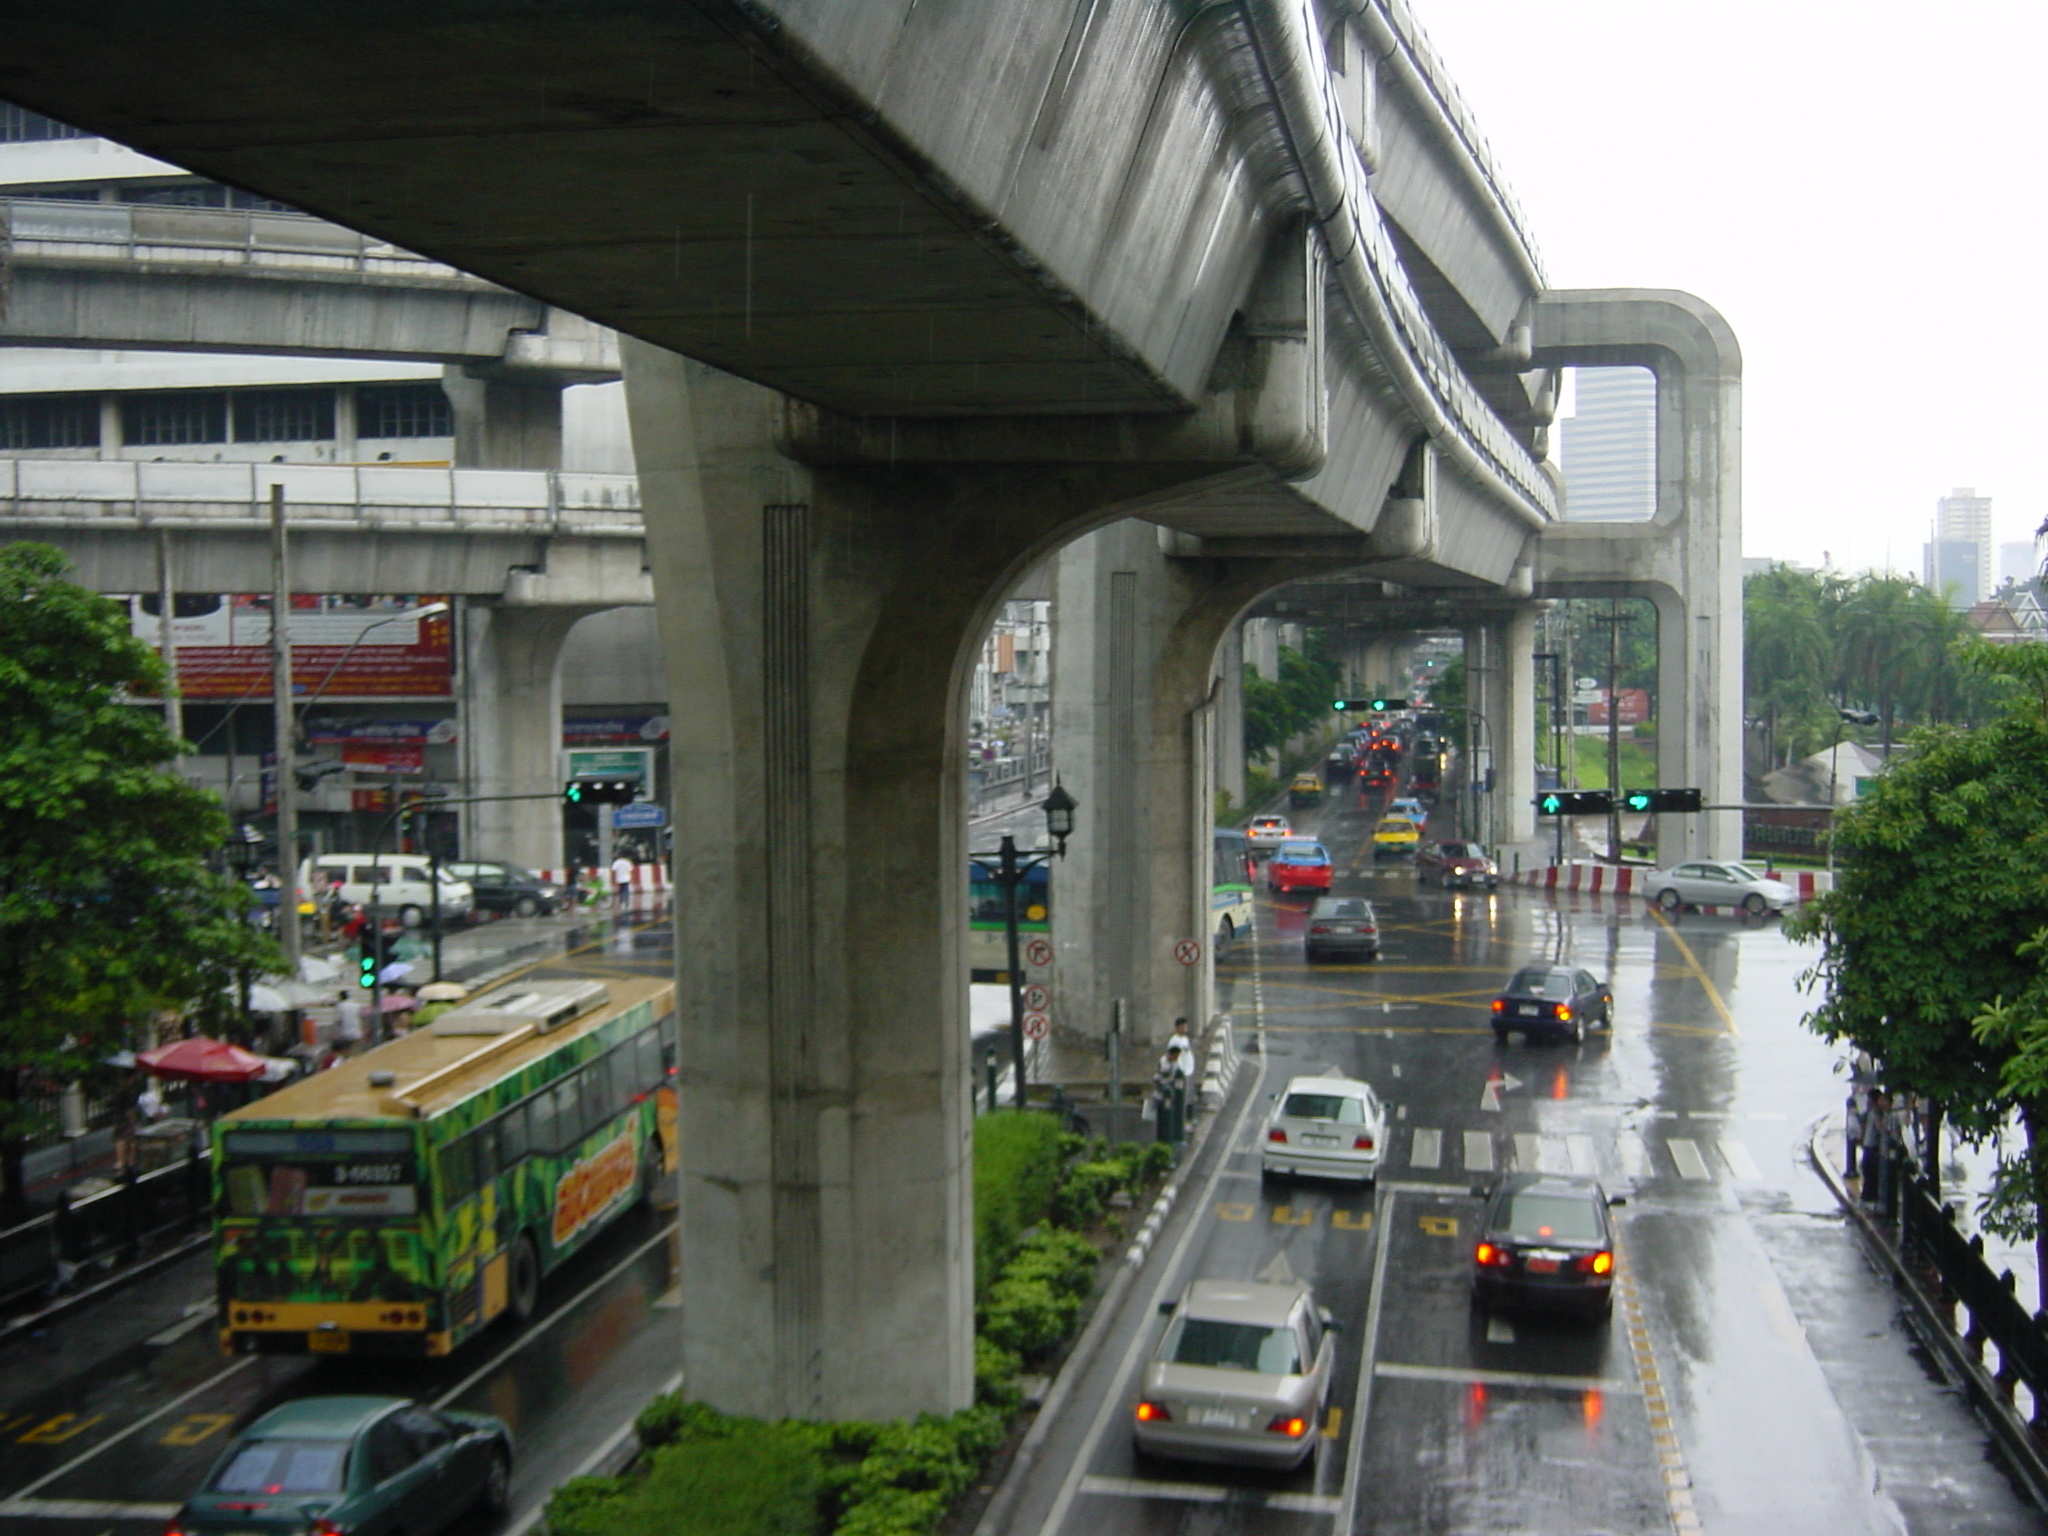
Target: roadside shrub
(1083, 1191)
(588, 1506)
(995, 1375)
(755, 1480)
(1016, 1163)
(670, 1419)
(1027, 1315)
(1065, 1261)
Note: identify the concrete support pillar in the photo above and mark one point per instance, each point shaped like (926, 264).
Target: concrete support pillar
(1482, 731)
(512, 729)
(1262, 647)
(1514, 794)
(505, 422)
(1688, 558)
(820, 623)
(1229, 754)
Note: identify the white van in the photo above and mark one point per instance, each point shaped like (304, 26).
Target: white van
(387, 882)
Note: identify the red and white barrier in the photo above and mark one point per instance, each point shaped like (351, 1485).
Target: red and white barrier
(647, 878)
(1631, 879)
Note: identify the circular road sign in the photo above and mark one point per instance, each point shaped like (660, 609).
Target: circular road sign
(1036, 998)
(1187, 951)
(1038, 952)
(1036, 1026)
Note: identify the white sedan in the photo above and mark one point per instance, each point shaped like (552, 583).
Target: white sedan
(1329, 1127)
(1714, 884)
(1265, 833)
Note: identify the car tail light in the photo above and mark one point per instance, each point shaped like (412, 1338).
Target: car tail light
(1318, 927)
(1564, 1011)
(1276, 1134)
(1153, 1413)
(1600, 1263)
(1488, 1256)
(1362, 1144)
(326, 1527)
(1499, 1006)
(1292, 1426)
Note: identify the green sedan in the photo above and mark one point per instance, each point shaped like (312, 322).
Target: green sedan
(352, 1466)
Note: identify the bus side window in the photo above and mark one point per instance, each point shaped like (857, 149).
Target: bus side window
(512, 1144)
(568, 1097)
(647, 1061)
(458, 1170)
(541, 1121)
(486, 1140)
(624, 1079)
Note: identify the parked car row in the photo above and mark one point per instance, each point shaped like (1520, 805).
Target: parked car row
(413, 888)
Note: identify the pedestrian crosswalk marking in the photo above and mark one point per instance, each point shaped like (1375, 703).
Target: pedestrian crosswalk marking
(1690, 1164)
(1479, 1151)
(1739, 1162)
(1579, 1150)
(1427, 1150)
(1635, 1157)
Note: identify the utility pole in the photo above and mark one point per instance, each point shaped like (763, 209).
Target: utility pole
(167, 598)
(285, 746)
(1614, 618)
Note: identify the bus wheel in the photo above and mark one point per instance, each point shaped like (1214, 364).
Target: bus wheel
(524, 1282)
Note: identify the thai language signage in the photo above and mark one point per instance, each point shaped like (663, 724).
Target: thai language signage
(343, 647)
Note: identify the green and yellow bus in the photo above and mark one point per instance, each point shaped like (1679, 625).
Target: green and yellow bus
(394, 1205)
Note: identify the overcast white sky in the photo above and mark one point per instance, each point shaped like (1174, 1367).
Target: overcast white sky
(1858, 188)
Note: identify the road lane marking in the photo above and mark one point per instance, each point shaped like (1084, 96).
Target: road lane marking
(198, 1315)
(1426, 1150)
(1739, 1162)
(1690, 1164)
(137, 1427)
(1461, 1376)
(84, 1509)
(1528, 1152)
(1361, 1398)
(1209, 1493)
(1635, 1156)
(1333, 1424)
(1499, 1330)
(1287, 1216)
(1234, 1210)
(1693, 965)
(1479, 1151)
(1438, 1226)
(1346, 1221)
(1141, 1336)
(1581, 1154)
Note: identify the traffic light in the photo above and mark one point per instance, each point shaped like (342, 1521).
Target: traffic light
(1574, 802)
(594, 791)
(1362, 706)
(1660, 801)
(370, 959)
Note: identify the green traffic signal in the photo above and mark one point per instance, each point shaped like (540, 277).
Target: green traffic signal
(1550, 805)
(1638, 799)
(573, 792)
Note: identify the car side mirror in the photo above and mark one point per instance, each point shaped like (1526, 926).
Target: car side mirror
(1481, 1191)
(1166, 1308)
(1617, 1199)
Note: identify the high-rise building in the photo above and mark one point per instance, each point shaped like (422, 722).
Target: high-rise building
(1962, 517)
(2017, 562)
(1951, 570)
(1609, 446)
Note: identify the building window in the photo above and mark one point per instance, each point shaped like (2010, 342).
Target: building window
(403, 410)
(18, 125)
(284, 415)
(174, 416)
(49, 421)
(184, 194)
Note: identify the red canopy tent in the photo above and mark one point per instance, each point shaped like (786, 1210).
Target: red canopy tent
(200, 1059)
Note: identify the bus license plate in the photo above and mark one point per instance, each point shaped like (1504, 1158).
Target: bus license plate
(324, 1341)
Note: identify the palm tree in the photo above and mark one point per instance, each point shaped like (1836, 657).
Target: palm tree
(1785, 655)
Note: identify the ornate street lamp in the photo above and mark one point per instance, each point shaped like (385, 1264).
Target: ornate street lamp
(1011, 867)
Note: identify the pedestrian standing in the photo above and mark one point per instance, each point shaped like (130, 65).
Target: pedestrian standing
(348, 1023)
(622, 879)
(1853, 1115)
(1876, 1122)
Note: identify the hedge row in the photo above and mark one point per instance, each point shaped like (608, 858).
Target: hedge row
(713, 1474)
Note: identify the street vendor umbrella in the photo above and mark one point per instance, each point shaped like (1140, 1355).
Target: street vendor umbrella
(200, 1059)
(397, 1002)
(443, 992)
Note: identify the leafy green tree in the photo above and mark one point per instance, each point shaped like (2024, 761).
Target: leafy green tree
(1276, 710)
(1889, 633)
(108, 912)
(1941, 883)
(1786, 657)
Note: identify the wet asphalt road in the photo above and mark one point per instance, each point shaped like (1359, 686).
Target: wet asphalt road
(112, 1416)
(1753, 1377)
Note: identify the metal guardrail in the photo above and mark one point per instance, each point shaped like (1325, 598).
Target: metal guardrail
(54, 228)
(130, 493)
(139, 1212)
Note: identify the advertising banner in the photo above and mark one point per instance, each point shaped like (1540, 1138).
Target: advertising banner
(346, 647)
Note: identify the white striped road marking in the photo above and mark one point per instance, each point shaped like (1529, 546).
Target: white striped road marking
(1427, 1150)
(1584, 1159)
(1635, 1157)
(1739, 1162)
(1479, 1152)
(1528, 1152)
(1504, 1378)
(1203, 1493)
(1690, 1164)
(1498, 1329)
(84, 1509)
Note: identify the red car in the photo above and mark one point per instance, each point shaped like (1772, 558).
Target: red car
(1298, 867)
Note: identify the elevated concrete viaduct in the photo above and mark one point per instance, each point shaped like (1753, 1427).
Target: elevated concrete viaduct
(958, 288)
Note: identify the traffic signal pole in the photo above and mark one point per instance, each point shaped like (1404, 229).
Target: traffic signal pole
(284, 738)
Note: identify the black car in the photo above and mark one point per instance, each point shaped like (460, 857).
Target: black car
(1545, 1242)
(1552, 1000)
(508, 888)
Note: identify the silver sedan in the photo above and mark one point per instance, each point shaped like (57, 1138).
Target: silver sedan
(1241, 1375)
(1713, 883)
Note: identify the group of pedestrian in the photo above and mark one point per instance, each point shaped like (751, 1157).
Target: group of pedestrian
(1877, 1126)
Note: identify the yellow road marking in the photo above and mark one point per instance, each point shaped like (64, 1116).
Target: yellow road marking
(1333, 1426)
(1286, 1216)
(1692, 962)
(1233, 1212)
(196, 1427)
(1348, 1222)
(1438, 1226)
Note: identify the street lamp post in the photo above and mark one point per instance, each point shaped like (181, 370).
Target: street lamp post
(1843, 718)
(1012, 866)
(241, 852)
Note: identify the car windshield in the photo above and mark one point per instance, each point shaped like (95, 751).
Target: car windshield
(1344, 1108)
(1342, 906)
(1743, 872)
(283, 1466)
(1542, 984)
(1462, 851)
(1536, 1217)
(1302, 853)
(1236, 1347)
